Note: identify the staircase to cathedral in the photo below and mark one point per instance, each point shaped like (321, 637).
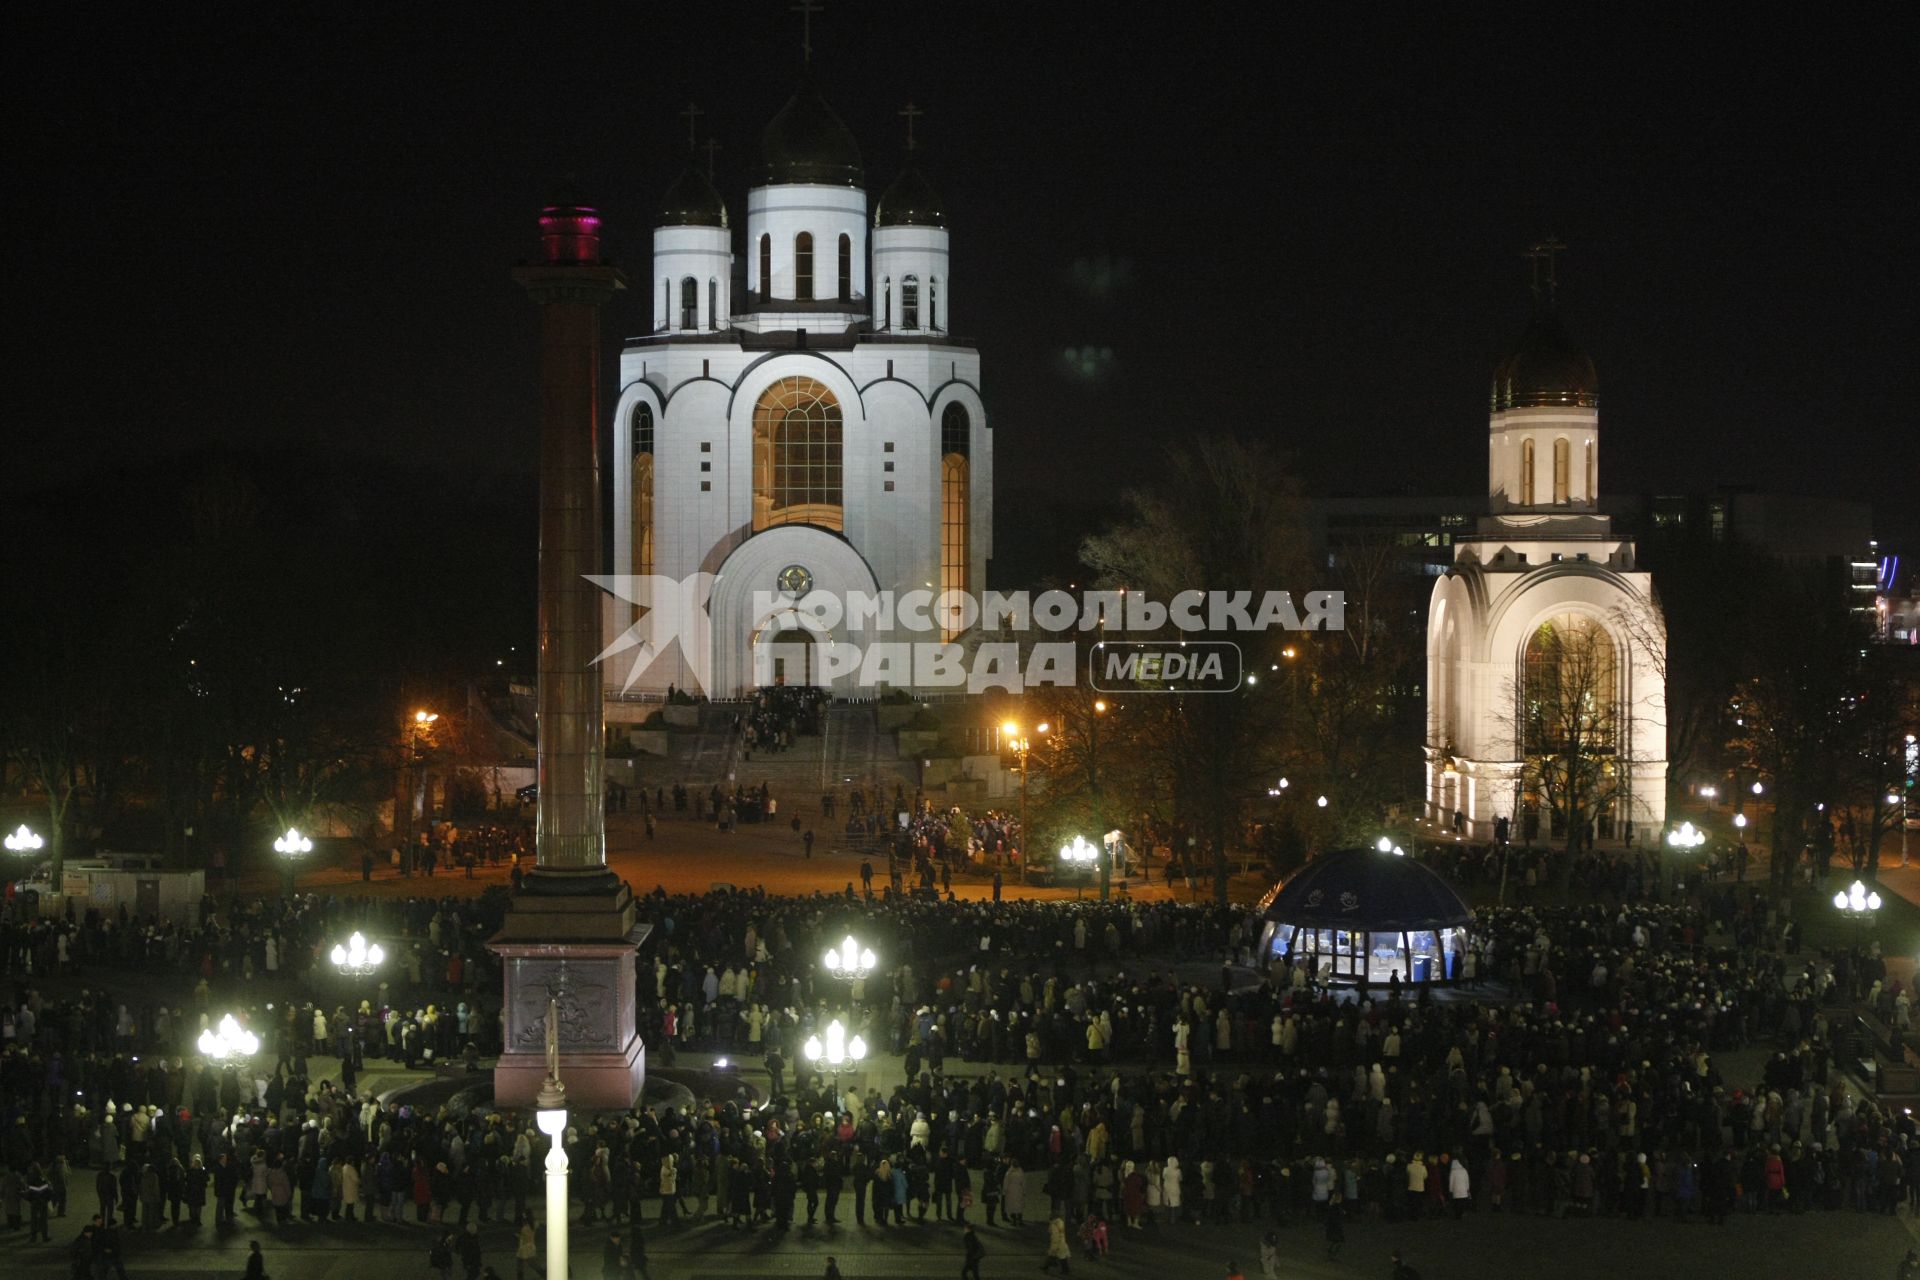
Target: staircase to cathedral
(851, 750)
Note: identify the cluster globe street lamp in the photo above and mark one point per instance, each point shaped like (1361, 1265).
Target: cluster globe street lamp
(1080, 856)
(1686, 836)
(849, 960)
(26, 843)
(837, 1050)
(1857, 902)
(228, 1040)
(291, 846)
(1386, 845)
(356, 957)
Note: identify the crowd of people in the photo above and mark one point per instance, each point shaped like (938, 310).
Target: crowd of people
(1096, 1068)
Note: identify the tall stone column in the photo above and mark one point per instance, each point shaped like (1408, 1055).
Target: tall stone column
(568, 941)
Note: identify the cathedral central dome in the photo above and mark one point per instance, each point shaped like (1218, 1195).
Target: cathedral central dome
(808, 143)
(1546, 369)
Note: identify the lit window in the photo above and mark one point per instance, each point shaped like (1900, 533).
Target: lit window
(910, 302)
(797, 456)
(955, 478)
(642, 532)
(803, 266)
(1526, 473)
(1562, 465)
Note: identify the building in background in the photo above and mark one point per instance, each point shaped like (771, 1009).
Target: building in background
(1546, 694)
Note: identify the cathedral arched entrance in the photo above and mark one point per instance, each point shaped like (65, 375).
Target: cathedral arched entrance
(786, 653)
(772, 615)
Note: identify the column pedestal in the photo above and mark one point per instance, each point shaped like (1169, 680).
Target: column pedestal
(577, 949)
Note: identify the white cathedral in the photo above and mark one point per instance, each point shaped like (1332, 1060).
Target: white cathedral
(1546, 655)
(807, 423)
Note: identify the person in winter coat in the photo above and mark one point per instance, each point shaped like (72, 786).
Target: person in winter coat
(108, 1189)
(150, 1193)
(669, 1188)
(468, 1249)
(280, 1193)
(1270, 1255)
(194, 1189)
(1058, 1254)
(1459, 1187)
(349, 1188)
(523, 1247)
(1013, 1193)
(1170, 1190)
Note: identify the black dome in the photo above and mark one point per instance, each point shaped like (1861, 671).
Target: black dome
(807, 143)
(692, 202)
(910, 202)
(1546, 370)
(1364, 889)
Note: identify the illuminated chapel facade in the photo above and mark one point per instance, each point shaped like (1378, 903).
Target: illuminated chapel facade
(1546, 693)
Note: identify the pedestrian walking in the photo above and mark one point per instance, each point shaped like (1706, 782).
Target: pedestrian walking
(973, 1251)
(1058, 1252)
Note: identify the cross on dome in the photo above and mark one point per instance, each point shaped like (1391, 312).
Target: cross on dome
(911, 113)
(806, 9)
(1548, 251)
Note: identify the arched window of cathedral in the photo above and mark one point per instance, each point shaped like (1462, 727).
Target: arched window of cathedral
(1570, 721)
(933, 302)
(846, 267)
(803, 266)
(766, 267)
(955, 505)
(689, 303)
(910, 302)
(955, 433)
(1526, 472)
(666, 304)
(1593, 475)
(642, 429)
(886, 304)
(642, 489)
(713, 303)
(797, 456)
(1562, 470)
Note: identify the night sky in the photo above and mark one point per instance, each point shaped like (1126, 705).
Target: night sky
(1302, 222)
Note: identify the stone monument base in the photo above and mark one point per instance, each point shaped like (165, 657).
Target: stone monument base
(576, 949)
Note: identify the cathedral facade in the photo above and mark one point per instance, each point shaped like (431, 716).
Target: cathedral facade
(799, 419)
(1546, 654)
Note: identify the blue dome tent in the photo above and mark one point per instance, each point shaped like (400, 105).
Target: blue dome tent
(1358, 914)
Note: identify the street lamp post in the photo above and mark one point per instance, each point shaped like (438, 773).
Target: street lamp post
(1019, 743)
(1080, 855)
(1858, 904)
(550, 1113)
(356, 958)
(849, 960)
(26, 844)
(291, 846)
(228, 1040)
(837, 1050)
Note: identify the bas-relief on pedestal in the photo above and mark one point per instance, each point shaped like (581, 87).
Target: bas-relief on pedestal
(591, 985)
